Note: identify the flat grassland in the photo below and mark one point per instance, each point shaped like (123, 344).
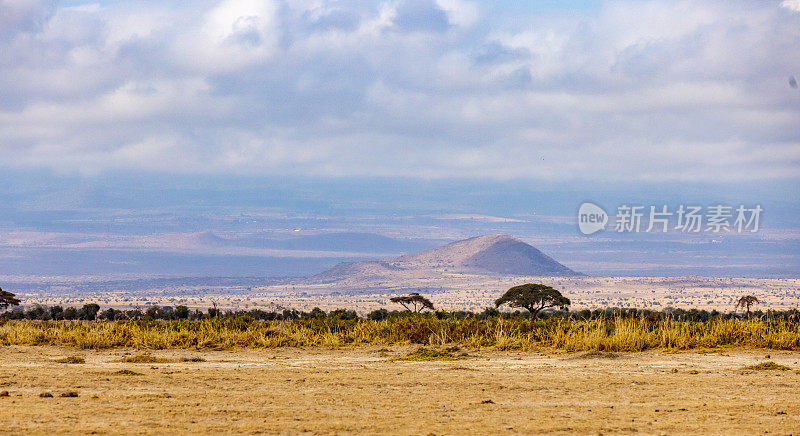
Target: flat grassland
(373, 389)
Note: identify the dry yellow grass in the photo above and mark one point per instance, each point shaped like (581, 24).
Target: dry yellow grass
(768, 366)
(73, 360)
(616, 334)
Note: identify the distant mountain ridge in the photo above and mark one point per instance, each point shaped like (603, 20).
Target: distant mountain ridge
(486, 255)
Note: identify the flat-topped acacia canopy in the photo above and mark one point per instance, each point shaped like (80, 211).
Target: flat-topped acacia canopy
(534, 297)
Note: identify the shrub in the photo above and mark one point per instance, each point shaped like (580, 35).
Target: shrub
(768, 366)
(181, 312)
(71, 360)
(378, 315)
(110, 314)
(56, 312)
(426, 354)
(70, 313)
(89, 312)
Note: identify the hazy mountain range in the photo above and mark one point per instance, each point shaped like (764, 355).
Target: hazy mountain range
(64, 229)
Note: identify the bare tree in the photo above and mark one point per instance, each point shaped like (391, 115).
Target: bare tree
(745, 303)
(418, 302)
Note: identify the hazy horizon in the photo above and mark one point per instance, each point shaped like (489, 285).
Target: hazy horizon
(165, 226)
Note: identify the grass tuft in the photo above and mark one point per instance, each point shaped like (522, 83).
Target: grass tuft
(127, 372)
(71, 360)
(768, 366)
(46, 395)
(70, 394)
(428, 354)
(143, 358)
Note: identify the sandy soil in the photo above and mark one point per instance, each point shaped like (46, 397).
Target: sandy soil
(320, 391)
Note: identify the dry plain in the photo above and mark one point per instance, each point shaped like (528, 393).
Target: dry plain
(368, 390)
(450, 292)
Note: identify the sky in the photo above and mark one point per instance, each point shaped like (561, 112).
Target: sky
(611, 91)
(211, 128)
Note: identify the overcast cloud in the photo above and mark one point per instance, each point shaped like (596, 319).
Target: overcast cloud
(632, 90)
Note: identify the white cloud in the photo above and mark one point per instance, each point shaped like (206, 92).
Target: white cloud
(791, 4)
(647, 90)
(232, 35)
(459, 12)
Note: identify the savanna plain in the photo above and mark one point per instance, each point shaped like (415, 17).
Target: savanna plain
(366, 377)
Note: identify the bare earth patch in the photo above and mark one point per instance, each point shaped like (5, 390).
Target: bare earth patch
(318, 390)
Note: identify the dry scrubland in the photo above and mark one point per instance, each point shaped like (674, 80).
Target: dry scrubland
(449, 292)
(374, 389)
(502, 333)
(404, 375)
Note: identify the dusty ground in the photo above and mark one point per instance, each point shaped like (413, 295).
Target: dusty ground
(365, 391)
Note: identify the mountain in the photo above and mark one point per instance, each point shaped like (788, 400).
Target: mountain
(500, 255)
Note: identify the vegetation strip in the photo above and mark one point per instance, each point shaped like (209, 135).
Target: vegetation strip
(502, 332)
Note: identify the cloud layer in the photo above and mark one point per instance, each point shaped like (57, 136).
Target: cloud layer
(632, 90)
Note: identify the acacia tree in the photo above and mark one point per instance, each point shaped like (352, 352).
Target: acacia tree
(534, 297)
(7, 299)
(418, 302)
(745, 303)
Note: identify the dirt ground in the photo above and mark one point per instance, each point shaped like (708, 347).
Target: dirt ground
(366, 390)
